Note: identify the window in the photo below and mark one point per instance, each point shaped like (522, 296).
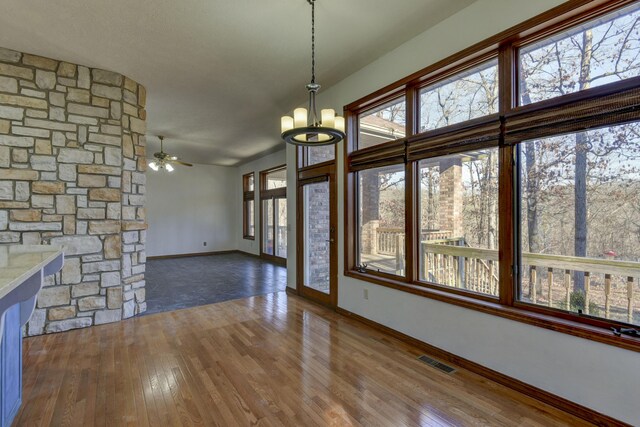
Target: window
(381, 222)
(316, 155)
(273, 196)
(530, 212)
(248, 206)
(382, 124)
(458, 233)
(276, 178)
(580, 222)
(464, 96)
(601, 51)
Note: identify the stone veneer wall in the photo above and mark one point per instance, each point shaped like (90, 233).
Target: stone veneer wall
(72, 163)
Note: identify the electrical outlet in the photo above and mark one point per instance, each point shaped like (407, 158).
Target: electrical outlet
(366, 293)
(204, 243)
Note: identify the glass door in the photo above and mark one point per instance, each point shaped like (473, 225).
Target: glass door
(317, 262)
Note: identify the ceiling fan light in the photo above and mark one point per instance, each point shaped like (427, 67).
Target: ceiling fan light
(168, 167)
(153, 165)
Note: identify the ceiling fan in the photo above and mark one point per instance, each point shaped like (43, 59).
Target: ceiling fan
(165, 160)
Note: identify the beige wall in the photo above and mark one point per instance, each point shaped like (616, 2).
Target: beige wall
(72, 173)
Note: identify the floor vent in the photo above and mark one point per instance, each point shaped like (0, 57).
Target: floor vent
(438, 365)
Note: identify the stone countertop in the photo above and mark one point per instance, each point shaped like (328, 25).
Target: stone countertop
(19, 262)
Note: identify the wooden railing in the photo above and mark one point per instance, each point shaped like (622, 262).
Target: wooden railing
(609, 286)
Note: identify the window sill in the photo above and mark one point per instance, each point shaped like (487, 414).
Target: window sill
(248, 237)
(523, 315)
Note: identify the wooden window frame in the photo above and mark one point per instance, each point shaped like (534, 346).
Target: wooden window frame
(248, 196)
(273, 194)
(504, 130)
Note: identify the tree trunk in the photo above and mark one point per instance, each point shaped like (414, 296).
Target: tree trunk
(580, 177)
(371, 196)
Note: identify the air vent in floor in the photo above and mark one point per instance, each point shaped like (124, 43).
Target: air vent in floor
(438, 365)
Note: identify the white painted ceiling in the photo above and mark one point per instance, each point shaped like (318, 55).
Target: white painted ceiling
(219, 73)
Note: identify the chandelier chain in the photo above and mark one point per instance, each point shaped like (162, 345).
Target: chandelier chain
(313, 41)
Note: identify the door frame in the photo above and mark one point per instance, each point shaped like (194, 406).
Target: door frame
(265, 194)
(325, 172)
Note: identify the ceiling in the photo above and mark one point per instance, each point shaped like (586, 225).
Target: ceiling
(219, 73)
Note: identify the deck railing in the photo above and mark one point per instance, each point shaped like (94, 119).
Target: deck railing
(607, 288)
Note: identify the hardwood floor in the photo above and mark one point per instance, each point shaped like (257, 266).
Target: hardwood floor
(268, 360)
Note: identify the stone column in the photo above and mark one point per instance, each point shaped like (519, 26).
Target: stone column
(450, 209)
(72, 163)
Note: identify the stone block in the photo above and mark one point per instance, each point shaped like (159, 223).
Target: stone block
(69, 324)
(9, 237)
(43, 163)
(11, 113)
(87, 110)
(16, 141)
(78, 245)
(48, 187)
(23, 101)
(66, 205)
(138, 126)
(62, 313)
(114, 211)
(99, 170)
(133, 225)
(5, 126)
(72, 155)
(57, 99)
(114, 297)
(43, 146)
(16, 71)
(104, 194)
(98, 181)
(113, 247)
(99, 266)
(22, 191)
(5, 157)
(23, 131)
(53, 296)
(109, 92)
(35, 226)
(52, 125)
(142, 96)
(26, 215)
(108, 316)
(40, 62)
(19, 155)
(8, 55)
(140, 294)
(84, 77)
(71, 271)
(67, 172)
(6, 190)
(108, 77)
(8, 84)
(69, 224)
(78, 95)
(85, 289)
(40, 201)
(110, 279)
(66, 69)
(128, 309)
(91, 213)
(104, 227)
(45, 79)
(91, 303)
(4, 220)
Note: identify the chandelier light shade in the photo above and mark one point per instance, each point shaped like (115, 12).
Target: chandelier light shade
(306, 128)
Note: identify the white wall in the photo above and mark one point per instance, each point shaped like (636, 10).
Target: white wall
(595, 375)
(267, 162)
(190, 206)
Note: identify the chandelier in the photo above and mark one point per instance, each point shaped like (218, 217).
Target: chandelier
(304, 128)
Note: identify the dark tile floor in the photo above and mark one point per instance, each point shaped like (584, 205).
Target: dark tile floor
(188, 282)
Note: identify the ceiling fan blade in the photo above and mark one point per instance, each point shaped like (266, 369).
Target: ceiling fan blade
(182, 163)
